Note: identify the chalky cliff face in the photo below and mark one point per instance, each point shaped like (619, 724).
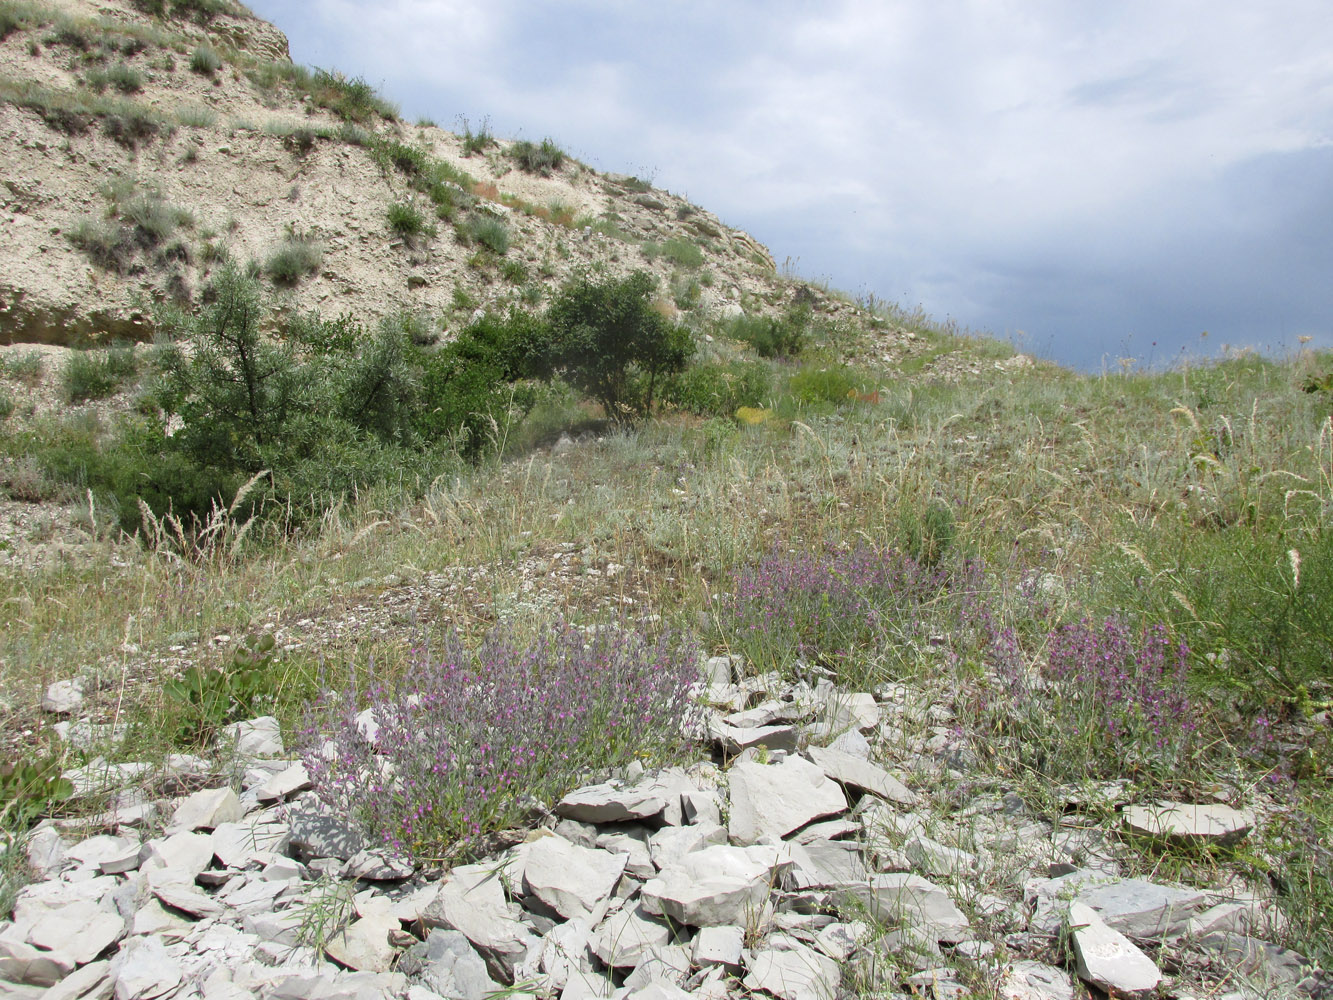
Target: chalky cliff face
(136, 149)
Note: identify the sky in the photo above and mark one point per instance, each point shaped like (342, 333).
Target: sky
(1142, 178)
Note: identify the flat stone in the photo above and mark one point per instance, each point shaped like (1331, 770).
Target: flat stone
(317, 831)
(716, 886)
(1214, 822)
(898, 897)
(769, 713)
(190, 853)
(92, 982)
(1256, 958)
(144, 969)
(863, 775)
(667, 963)
(377, 866)
(638, 860)
(930, 857)
(569, 879)
(206, 809)
(719, 946)
(857, 710)
(1028, 980)
(21, 963)
(671, 843)
(46, 851)
(839, 940)
(775, 799)
(451, 967)
(626, 937)
(733, 740)
(150, 917)
(103, 847)
(63, 697)
(794, 972)
(1106, 958)
(716, 670)
(565, 947)
(824, 864)
(701, 807)
(288, 781)
(609, 803)
(364, 944)
(659, 990)
(1138, 909)
(261, 737)
(79, 931)
(235, 845)
(186, 898)
(472, 901)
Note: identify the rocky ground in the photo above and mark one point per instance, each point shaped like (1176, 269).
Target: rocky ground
(826, 844)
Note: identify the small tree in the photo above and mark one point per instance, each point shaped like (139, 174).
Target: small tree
(609, 342)
(234, 389)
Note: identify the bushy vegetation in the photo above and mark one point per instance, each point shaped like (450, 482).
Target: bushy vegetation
(119, 76)
(533, 158)
(297, 257)
(679, 251)
(783, 337)
(90, 375)
(406, 220)
(205, 60)
(485, 229)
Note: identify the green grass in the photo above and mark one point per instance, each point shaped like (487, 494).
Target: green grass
(487, 230)
(205, 61)
(678, 251)
(297, 257)
(118, 76)
(406, 220)
(89, 375)
(533, 158)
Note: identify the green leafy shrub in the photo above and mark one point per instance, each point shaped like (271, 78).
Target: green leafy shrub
(608, 340)
(541, 159)
(773, 338)
(27, 367)
(298, 257)
(28, 789)
(514, 271)
(720, 389)
(95, 375)
(352, 99)
(6, 405)
(206, 699)
(678, 251)
(129, 125)
(205, 60)
(478, 141)
(490, 232)
(407, 221)
(410, 160)
(811, 386)
(124, 78)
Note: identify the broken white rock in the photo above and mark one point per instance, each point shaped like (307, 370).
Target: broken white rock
(719, 946)
(1106, 958)
(144, 969)
(1030, 980)
(364, 944)
(1139, 909)
(261, 737)
(77, 932)
(288, 781)
(1211, 822)
(775, 799)
(898, 897)
(472, 901)
(734, 740)
(569, 879)
(206, 809)
(791, 971)
(863, 775)
(63, 696)
(715, 886)
(608, 803)
(626, 937)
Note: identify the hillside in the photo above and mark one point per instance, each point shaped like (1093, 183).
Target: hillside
(431, 568)
(203, 128)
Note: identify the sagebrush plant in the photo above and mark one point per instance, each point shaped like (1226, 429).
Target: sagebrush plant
(297, 257)
(486, 229)
(406, 220)
(205, 60)
(544, 158)
(465, 740)
(88, 375)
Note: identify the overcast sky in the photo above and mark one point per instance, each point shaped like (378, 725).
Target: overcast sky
(1107, 178)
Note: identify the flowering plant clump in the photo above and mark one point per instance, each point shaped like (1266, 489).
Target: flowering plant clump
(828, 606)
(1111, 702)
(463, 743)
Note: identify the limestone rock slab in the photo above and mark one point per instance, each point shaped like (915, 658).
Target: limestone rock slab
(775, 799)
(570, 879)
(1106, 958)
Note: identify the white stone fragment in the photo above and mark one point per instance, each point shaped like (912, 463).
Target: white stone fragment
(1106, 958)
(775, 799)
